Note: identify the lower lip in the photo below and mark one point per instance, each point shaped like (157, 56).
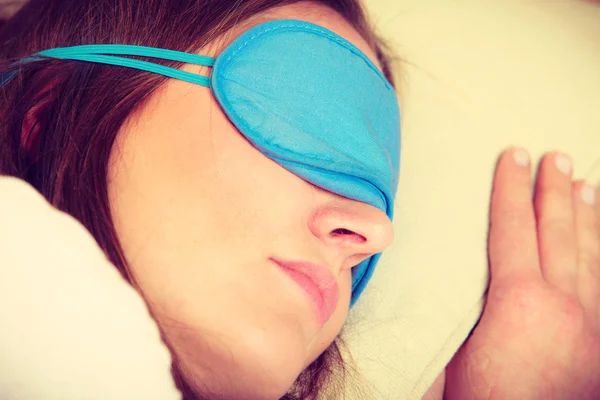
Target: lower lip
(312, 292)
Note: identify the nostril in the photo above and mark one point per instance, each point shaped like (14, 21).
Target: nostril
(348, 235)
(353, 236)
(342, 231)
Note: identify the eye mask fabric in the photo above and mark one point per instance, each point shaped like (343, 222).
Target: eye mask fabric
(305, 97)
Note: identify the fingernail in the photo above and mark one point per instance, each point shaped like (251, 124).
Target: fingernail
(588, 195)
(521, 157)
(563, 163)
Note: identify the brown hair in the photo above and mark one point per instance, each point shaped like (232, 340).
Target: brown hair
(59, 118)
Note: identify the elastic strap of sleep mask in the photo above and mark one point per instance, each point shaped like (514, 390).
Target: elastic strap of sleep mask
(107, 54)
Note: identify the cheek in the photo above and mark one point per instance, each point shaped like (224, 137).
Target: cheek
(197, 218)
(157, 218)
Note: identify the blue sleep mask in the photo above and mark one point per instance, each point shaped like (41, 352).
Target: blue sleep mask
(305, 97)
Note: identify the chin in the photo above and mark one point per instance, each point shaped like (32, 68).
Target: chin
(256, 366)
(247, 382)
(268, 365)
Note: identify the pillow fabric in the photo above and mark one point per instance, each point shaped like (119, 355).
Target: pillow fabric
(72, 327)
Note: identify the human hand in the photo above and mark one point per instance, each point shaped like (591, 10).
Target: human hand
(539, 334)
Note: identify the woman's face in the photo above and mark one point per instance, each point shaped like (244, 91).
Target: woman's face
(200, 212)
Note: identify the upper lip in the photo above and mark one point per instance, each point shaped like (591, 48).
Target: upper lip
(320, 275)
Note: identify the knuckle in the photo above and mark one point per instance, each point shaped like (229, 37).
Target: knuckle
(521, 293)
(529, 303)
(571, 311)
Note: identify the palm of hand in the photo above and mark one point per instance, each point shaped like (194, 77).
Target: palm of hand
(532, 342)
(539, 335)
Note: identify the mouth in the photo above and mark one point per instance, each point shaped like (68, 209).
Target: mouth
(318, 283)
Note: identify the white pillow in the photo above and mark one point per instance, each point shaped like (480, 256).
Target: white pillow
(71, 326)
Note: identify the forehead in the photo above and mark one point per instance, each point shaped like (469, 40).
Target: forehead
(315, 13)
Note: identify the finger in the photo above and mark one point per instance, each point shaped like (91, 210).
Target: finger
(588, 247)
(556, 222)
(597, 204)
(512, 242)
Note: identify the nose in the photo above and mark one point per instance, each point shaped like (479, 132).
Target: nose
(352, 230)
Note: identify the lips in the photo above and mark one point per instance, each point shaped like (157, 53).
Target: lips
(317, 282)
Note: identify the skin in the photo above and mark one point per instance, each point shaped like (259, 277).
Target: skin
(199, 211)
(539, 335)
